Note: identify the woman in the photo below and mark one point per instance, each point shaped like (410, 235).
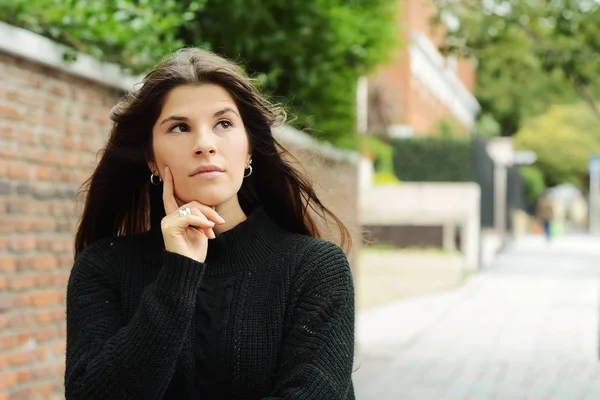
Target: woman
(199, 270)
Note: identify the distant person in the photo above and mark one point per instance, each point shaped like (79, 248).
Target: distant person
(200, 271)
(545, 214)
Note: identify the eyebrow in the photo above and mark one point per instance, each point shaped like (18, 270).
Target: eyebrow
(219, 113)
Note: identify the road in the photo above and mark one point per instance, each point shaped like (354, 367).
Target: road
(525, 328)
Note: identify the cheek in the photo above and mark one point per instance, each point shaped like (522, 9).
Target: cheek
(237, 155)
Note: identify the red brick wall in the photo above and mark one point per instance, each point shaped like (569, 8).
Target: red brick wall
(412, 103)
(467, 73)
(51, 128)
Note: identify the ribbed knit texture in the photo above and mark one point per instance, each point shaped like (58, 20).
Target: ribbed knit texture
(269, 315)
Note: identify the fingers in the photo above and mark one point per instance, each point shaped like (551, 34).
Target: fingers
(207, 231)
(183, 222)
(168, 193)
(207, 211)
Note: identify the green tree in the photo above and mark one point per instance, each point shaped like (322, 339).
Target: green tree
(534, 183)
(307, 54)
(531, 53)
(133, 33)
(564, 138)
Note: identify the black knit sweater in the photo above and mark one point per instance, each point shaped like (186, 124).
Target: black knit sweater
(269, 315)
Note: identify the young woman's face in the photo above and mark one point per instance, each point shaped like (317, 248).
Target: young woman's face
(200, 136)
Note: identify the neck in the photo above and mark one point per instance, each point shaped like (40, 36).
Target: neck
(232, 213)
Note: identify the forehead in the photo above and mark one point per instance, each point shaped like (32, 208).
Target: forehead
(197, 99)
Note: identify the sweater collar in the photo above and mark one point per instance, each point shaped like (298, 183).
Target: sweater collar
(244, 246)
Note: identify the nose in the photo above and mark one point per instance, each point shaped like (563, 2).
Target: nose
(205, 143)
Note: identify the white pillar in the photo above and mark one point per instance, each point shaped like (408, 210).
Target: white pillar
(500, 184)
(362, 105)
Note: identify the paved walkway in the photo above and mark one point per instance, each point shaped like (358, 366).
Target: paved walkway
(526, 328)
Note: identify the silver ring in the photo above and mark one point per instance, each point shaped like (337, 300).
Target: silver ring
(184, 211)
(181, 213)
(188, 211)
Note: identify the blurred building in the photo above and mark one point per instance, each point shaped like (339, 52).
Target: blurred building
(422, 92)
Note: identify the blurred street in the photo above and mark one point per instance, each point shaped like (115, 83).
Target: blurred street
(525, 328)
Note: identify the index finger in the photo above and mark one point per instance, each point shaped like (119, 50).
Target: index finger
(168, 193)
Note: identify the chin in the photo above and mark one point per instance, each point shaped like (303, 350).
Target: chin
(212, 199)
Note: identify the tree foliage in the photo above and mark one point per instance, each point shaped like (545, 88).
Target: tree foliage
(136, 34)
(531, 53)
(534, 183)
(564, 139)
(307, 54)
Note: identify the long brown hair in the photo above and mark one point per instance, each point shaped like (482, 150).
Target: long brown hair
(120, 199)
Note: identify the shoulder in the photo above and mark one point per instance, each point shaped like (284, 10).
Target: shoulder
(318, 261)
(101, 256)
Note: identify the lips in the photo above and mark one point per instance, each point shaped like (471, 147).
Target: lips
(207, 169)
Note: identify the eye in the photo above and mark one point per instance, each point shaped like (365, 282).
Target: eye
(224, 124)
(179, 128)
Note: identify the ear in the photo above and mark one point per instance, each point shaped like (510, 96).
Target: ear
(153, 168)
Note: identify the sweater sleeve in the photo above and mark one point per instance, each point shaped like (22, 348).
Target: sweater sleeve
(109, 359)
(318, 350)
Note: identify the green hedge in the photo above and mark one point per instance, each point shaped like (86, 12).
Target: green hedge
(433, 160)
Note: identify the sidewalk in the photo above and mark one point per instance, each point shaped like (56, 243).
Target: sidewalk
(526, 328)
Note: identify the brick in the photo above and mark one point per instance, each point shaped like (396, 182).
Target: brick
(21, 243)
(7, 225)
(92, 97)
(21, 320)
(24, 97)
(21, 206)
(47, 334)
(68, 143)
(66, 260)
(42, 173)
(7, 131)
(50, 316)
(22, 225)
(43, 372)
(5, 187)
(60, 279)
(59, 348)
(23, 189)
(16, 358)
(44, 225)
(3, 284)
(8, 301)
(54, 244)
(44, 280)
(12, 340)
(53, 121)
(38, 263)
(7, 264)
(40, 299)
(8, 380)
(59, 88)
(19, 170)
(21, 282)
(2, 245)
(33, 392)
(10, 113)
(24, 376)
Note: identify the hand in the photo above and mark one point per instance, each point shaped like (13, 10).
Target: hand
(187, 235)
